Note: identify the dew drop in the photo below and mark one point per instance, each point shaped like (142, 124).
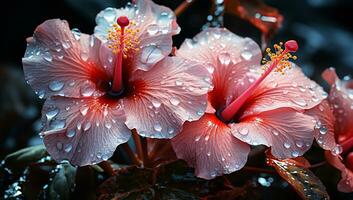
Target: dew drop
(109, 14)
(323, 130)
(224, 58)
(151, 54)
(337, 150)
(174, 101)
(68, 148)
(171, 130)
(302, 88)
(247, 55)
(76, 33)
(108, 125)
(105, 157)
(207, 138)
(51, 114)
(47, 56)
(57, 124)
(299, 144)
(276, 133)
(87, 90)
(84, 110)
(56, 86)
(71, 133)
(244, 131)
(295, 153)
(156, 103)
(286, 145)
(178, 83)
(59, 145)
(197, 138)
(152, 29)
(84, 56)
(208, 154)
(157, 127)
(87, 126)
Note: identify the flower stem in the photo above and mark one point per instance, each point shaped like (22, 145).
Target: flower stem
(145, 158)
(183, 6)
(105, 165)
(138, 145)
(131, 154)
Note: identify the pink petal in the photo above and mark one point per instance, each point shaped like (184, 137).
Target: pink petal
(173, 91)
(324, 129)
(287, 132)
(230, 57)
(293, 89)
(57, 62)
(83, 131)
(209, 147)
(341, 99)
(156, 25)
(346, 182)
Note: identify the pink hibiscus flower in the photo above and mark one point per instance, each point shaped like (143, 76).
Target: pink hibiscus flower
(246, 107)
(98, 90)
(335, 121)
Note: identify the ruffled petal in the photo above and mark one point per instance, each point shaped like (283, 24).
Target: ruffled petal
(324, 129)
(83, 131)
(346, 182)
(209, 146)
(173, 91)
(60, 62)
(287, 132)
(155, 24)
(230, 57)
(341, 99)
(293, 90)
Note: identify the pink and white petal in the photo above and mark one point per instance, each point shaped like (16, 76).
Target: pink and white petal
(209, 146)
(289, 133)
(293, 90)
(231, 57)
(60, 62)
(155, 24)
(173, 91)
(324, 132)
(83, 131)
(346, 182)
(341, 99)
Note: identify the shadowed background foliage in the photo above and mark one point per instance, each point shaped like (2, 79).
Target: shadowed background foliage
(323, 28)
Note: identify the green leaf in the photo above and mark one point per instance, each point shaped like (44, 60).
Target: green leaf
(22, 158)
(63, 182)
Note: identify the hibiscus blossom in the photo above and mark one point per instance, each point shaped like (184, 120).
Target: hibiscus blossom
(246, 107)
(335, 120)
(97, 90)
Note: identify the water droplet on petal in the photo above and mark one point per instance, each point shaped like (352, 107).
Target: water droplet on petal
(224, 58)
(323, 130)
(337, 150)
(57, 124)
(87, 126)
(286, 145)
(84, 110)
(152, 29)
(59, 145)
(207, 138)
(77, 33)
(178, 83)
(299, 144)
(295, 153)
(208, 154)
(174, 101)
(84, 56)
(275, 132)
(68, 148)
(171, 130)
(157, 127)
(197, 138)
(47, 56)
(87, 90)
(151, 54)
(247, 55)
(108, 125)
(71, 133)
(244, 131)
(156, 103)
(51, 114)
(56, 86)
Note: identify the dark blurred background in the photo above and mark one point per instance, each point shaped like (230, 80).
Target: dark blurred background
(323, 28)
